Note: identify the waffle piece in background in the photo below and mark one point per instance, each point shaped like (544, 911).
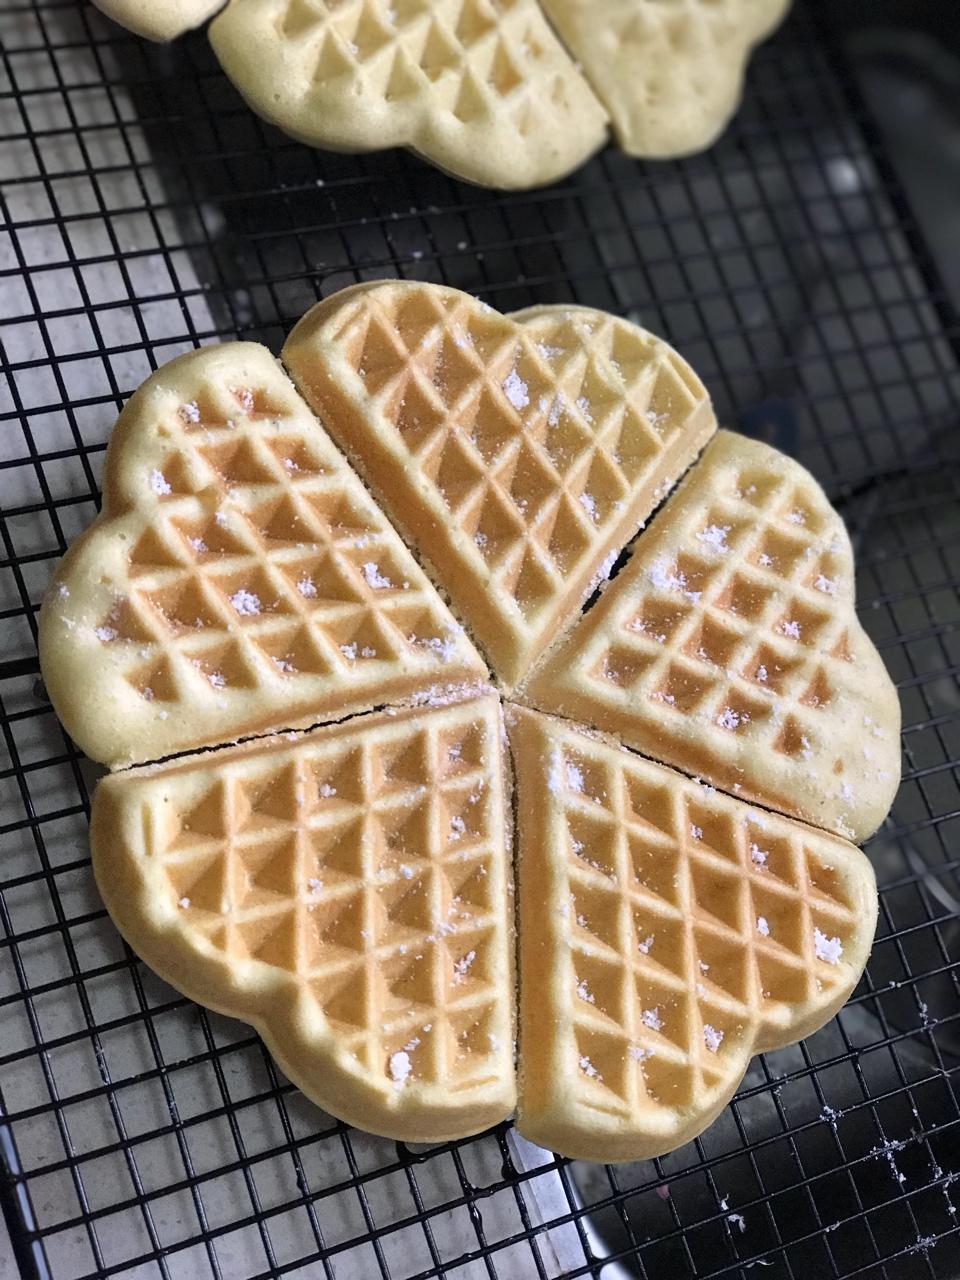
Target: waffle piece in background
(670, 75)
(345, 891)
(238, 579)
(667, 933)
(729, 647)
(517, 453)
(483, 90)
(159, 19)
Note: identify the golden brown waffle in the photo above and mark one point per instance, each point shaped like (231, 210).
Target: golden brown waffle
(481, 88)
(667, 933)
(517, 453)
(238, 579)
(729, 646)
(159, 19)
(670, 75)
(345, 891)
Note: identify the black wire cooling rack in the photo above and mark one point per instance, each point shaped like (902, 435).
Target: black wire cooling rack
(145, 210)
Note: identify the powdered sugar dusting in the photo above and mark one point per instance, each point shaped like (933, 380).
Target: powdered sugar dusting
(827, 949)
(400, 1067)
(375, 580)
(651, 1019)
(246, 603)
(712, 1038)
(515, 389)
(714, 536)
(589, 1070)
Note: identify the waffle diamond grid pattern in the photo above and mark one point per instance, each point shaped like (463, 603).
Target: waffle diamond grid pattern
(533, 437)
(689, 923)
(712, 635)
(277, 563)
(472, 58)
(243, 570)
(733, 622)
(367, 868)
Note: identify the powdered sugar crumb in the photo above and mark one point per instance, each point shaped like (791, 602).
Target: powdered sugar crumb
(159, 483)
(651, 1018)
(729, 719)
(827, 949)
(245, 602)
(400, 1067)
(712, 1038)
(375, 580)
(715, 537)
(588, 1069)
(589, 504)
(462, 966)
(515, 389)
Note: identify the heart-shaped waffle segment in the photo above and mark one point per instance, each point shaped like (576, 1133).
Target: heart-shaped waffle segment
(670, 75)
(346, 893)
(518, 454)
(159, 19)
(667, 934)
(481, 88)
(238, 579)
(729, 647)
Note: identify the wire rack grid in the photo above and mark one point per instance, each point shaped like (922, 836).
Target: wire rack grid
(145, 211)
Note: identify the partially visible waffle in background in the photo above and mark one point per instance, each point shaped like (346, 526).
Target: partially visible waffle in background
(344, 890)
(483, 89)
(670, 75)
(159, 19)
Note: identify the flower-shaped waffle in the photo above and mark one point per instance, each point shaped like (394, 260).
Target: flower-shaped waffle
(345, 889)
(500, 92)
